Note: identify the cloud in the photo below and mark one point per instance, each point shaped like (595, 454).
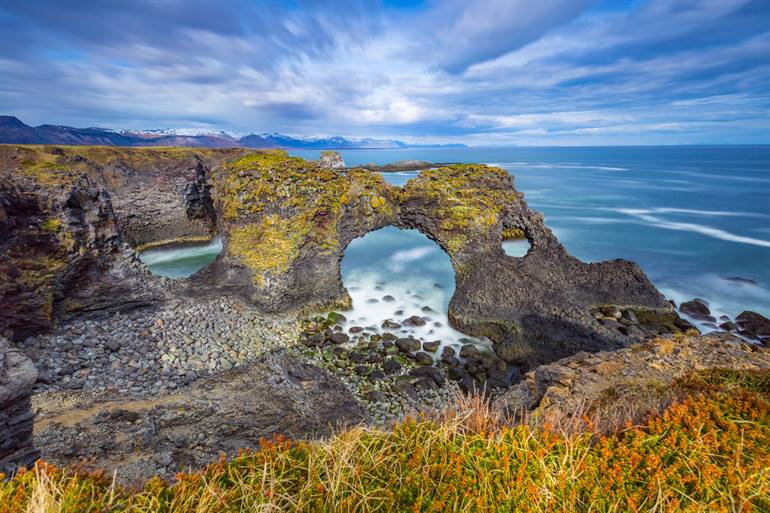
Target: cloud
(514, 72)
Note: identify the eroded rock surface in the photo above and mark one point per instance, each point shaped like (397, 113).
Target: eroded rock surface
(628, 380)
(138, 438)
(287, 222)
(17, 376)
(69, 214)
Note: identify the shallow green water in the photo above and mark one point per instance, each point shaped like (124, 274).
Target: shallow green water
(181, 262)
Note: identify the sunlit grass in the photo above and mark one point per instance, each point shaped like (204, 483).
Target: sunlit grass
(708, 452)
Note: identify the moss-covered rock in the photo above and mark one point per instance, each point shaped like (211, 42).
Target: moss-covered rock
(287, 220)
(285, 223)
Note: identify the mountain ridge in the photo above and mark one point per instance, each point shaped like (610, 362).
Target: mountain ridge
(15, 131)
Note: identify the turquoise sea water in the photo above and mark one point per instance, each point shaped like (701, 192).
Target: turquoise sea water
(695, 218)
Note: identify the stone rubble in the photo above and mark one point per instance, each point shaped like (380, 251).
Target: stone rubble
(155, 350)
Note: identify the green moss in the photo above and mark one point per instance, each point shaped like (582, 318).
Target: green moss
(46, 171)
(657, 317)
(469, 200)
(266, 246)
(513, 234)
(53, 166)
(278, 206)
(52, 225)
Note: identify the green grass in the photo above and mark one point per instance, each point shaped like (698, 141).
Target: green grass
(708, 453)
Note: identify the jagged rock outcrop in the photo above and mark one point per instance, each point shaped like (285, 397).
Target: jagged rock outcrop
(627, 382)
(67, 214)
(17, 376)
(287, 222)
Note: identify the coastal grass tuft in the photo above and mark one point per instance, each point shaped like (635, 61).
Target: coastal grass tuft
(709, 452)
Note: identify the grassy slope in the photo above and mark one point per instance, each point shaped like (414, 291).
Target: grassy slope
(709, 452)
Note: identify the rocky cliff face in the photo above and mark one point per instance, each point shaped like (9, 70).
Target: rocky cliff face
(68, 216)
(17, 375)
(68, 212)
(62, 252)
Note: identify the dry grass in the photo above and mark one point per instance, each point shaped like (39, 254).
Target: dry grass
(709, 451)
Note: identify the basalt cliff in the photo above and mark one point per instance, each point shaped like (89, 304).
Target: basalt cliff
(71, 216)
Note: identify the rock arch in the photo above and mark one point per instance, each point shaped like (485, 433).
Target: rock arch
(287, 221)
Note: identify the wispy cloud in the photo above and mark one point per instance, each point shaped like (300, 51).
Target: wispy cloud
(483, 72)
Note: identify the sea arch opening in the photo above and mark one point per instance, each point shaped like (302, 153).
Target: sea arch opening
(400, 282)
(181, 260)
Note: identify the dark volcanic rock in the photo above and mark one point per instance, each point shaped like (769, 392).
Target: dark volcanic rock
(698, 309)
(17, 376)
(465, 208)
(62, 253)
(423, 358)
(432, 346)
(284, 243)
(339, 338)
(414, 320)
(408, 345)
(757, 325)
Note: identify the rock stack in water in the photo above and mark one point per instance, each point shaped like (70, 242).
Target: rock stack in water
(17, 375)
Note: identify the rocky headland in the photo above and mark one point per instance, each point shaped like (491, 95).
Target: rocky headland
(148, 375)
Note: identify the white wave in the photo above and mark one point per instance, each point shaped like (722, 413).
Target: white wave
(724, 296)
(407, 297)
(153, 257)
(732, 178)
(672, 210)
(547, 165)
(709, 231)
(595, 219)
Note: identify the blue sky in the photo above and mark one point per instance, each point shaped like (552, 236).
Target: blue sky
(528, 72)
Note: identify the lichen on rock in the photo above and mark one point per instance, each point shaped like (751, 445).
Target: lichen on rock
(283, 217)
(285, 223)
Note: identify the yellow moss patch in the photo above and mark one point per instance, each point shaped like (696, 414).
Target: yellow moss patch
(63, 165)
(377, 202)
(288, 203)
(51, 225)
(467, 199)
(263, 247)
(513, 233)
